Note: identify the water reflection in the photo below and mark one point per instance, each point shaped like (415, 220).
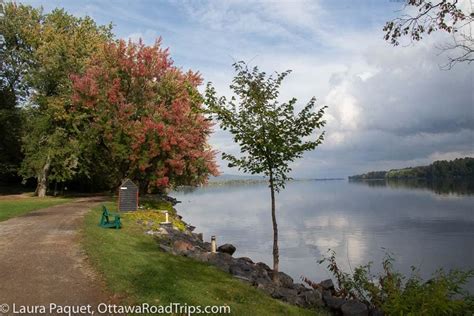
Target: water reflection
(357, 221)
(447, 186)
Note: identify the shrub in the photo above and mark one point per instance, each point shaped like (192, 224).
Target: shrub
(396, 294)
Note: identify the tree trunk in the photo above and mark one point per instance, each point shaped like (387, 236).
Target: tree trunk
(42, 178)
(143, 187)
(276, 257)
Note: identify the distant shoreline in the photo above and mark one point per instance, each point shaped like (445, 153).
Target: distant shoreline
(216, 182)
(441, 169)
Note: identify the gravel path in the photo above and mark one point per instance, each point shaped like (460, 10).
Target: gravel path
(41, 260)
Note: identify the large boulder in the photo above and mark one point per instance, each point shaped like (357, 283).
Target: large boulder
(268, 288)
(334, 302)
(284, 293)
(246, 260)
(221, 260)
(299, 287)
(288, 295)
(327, 285)
(262, 272)
(284, 280)
(243, 269)
(200, 256)
(354, 308)
(263, 266)
(227, 248)
(313, 298)
(262, 281)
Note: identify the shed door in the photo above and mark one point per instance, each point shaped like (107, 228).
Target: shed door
(128, 197)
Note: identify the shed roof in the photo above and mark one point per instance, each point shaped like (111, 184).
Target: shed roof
(128, 183)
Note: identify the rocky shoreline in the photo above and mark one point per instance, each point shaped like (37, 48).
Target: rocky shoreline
(187, 243)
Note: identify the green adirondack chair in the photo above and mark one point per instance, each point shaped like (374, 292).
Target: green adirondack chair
(109, 219)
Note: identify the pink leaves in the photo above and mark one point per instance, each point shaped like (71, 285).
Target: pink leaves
(135, 91)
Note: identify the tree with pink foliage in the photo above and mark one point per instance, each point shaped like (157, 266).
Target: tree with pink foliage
(143, 116)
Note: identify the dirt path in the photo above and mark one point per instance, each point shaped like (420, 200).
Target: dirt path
(41, 261)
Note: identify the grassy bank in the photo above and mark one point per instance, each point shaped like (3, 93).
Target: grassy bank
(135, 269)
(12, 207)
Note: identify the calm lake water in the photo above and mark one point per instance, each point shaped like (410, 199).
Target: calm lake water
(427, 226)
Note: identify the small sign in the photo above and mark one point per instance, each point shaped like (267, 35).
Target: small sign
(128, 196)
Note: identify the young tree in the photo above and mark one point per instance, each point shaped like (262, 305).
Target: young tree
(269, 133)
(432, 16)
(144, 115)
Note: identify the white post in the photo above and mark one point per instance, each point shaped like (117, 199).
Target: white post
(166, 217)
(213, 244)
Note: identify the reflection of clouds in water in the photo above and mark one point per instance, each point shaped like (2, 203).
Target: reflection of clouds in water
(324, 221)
(356, 248)
(350, 247)
(290, 237)
(325, 243)
(356, 221)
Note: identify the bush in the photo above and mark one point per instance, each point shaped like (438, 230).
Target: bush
(396, 294)
(151, 214)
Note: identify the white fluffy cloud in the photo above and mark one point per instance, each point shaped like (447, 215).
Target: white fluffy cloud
(402, 110)
(388, 106)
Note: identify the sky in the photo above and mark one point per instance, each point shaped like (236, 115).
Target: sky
(388, 107)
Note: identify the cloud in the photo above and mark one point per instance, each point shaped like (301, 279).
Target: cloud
(264, 18)
(388, 106)
(401, 109)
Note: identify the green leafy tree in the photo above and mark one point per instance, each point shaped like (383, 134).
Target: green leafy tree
(270, 134)
(46, 49)
(17, 27)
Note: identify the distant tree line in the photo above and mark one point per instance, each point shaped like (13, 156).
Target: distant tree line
(457, 168)
(82, 108)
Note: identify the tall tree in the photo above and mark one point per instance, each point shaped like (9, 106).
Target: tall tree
(144, 116)
(423, 17)
(270, 134)
(18, 25)
(57, 45)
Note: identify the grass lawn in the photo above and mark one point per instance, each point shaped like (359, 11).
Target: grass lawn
(18, 206)
(135, 269)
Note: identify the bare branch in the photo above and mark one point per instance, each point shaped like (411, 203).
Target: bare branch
(430, 17)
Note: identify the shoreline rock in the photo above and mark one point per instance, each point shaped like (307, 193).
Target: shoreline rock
(190, 244)
(227, 248)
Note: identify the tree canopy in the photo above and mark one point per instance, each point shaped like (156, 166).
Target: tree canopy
(145, 115)
(77, 105)
(269, 133)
